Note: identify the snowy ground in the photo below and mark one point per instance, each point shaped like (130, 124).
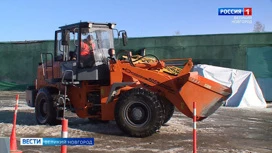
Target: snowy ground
(228, 130)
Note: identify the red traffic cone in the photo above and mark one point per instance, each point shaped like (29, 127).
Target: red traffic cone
(13, 142)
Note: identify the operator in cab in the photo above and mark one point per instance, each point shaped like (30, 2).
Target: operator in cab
(87, 51)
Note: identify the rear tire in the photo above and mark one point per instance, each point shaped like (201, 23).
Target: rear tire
(139, 113)
(169, 109)
(45, 111)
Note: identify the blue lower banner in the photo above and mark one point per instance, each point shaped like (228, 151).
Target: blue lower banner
(57, 141)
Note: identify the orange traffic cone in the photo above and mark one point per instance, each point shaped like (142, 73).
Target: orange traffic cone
(13, 142)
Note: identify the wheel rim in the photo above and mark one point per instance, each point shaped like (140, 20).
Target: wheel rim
(137, 113)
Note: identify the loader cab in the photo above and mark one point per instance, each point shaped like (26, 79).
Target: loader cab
(69, 43)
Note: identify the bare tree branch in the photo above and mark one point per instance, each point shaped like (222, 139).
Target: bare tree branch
(177, 32)
(259, 27)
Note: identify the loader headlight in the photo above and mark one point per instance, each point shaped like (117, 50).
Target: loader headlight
(112, 26)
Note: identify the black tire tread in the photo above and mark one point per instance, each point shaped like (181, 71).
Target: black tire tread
(169, 109)
(49, 94)
(153, 102)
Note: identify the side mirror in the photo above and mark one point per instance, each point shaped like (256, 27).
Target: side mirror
(65, 37)
(124, 37)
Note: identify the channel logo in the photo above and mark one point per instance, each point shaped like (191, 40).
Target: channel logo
(235, 11)
(57, 141)
(31, 141)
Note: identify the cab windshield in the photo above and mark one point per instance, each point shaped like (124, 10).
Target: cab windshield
(102, 38)
(102, 41)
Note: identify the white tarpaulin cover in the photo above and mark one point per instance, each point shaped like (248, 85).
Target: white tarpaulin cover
(245, 89)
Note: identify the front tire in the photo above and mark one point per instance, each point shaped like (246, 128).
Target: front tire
(139, 113)
(45, 111)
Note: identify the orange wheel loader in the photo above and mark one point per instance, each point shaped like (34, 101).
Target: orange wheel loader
(139, 92)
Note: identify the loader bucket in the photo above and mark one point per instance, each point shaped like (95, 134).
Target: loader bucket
(207, 94)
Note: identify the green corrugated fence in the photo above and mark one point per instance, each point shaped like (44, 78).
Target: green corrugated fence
(19, 60)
